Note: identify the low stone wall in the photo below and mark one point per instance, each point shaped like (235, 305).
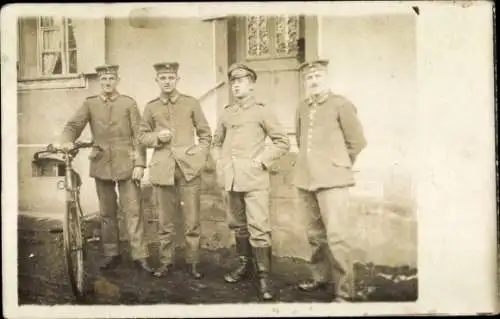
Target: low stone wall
(385, 233)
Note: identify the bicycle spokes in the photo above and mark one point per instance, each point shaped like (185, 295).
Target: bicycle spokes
(74, 249)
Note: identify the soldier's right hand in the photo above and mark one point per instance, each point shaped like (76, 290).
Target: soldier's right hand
(164, 135)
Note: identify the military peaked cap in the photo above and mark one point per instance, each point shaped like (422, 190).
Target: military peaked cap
(313, 65)
(107, 69)
(240, 70)
(166, 67)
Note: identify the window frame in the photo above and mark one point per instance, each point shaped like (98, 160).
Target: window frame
(41, 169)
(50, 81)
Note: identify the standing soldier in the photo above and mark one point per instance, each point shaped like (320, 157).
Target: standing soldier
(330, 137)
(114, 120)
(242, 166)
(168, 126)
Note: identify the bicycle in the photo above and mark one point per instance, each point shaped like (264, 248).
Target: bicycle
(74, 243)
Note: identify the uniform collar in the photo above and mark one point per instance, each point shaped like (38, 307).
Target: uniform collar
(172, 98)
(318, 99)
(246, 102)
(111, 97)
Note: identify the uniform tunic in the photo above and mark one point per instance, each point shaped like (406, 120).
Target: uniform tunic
(239, 145)
(114, 125)
(330, 137)
(182, 114)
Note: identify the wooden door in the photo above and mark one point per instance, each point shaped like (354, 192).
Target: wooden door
(274, 47)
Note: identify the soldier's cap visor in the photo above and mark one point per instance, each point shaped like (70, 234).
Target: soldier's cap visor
(240, 71)
(166, 67)
(107, 69)
(310, 66)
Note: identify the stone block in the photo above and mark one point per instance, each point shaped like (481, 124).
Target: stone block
(286, 213)
(281, 177)
(209, 179)
(290, 242)
(213, 207)
(216, 235)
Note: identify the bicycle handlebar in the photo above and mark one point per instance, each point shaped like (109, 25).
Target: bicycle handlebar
(73, 151)
(78, 145)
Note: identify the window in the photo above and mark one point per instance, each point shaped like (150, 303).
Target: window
(57, 47)
(48, 47)
(48, 168)
(55, 52)
(272, 37)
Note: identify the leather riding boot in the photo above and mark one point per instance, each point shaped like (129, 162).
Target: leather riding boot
(263, 265)
(244, 268)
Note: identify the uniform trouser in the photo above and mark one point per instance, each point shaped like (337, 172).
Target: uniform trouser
(167, 198)
(328, 234)
(249, 216)
(130, 202)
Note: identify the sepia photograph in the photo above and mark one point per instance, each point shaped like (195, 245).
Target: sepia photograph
(220, 156)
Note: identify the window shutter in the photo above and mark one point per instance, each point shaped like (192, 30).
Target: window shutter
(90, 41)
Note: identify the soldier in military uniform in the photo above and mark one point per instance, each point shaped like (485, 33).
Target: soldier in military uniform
(168, 125)
(330, 137)
(243, 163)
(114, 121)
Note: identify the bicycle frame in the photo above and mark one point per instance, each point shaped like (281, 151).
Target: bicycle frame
(72, 190)
(74, 242)
(68, 179)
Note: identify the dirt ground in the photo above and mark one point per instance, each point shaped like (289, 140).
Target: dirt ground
(42, 277)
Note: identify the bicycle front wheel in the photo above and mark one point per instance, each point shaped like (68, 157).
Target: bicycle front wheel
(74, 249)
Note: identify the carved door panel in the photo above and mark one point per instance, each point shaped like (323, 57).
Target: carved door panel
(273, 47)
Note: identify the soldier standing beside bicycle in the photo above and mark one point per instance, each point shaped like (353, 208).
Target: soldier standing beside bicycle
(114, 120)
(242, 167)
(169, 125)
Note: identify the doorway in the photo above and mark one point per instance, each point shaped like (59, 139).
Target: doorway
(274, 46)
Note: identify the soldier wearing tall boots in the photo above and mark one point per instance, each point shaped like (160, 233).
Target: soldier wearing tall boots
(242, 163)
(169, 125)
(114, 121)
(330, 137)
